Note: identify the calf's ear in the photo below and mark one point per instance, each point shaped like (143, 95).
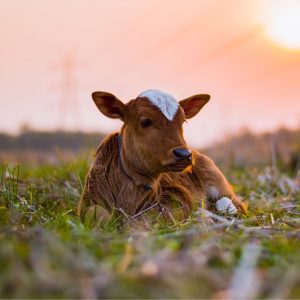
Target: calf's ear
(109, 105)
(193, 104)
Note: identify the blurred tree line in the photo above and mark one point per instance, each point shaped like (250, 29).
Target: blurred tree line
(281, 147)
(48, 141)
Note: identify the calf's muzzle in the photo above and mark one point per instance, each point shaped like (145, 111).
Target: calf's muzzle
(182, 154)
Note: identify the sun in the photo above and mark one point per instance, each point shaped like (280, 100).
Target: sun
(282, 22)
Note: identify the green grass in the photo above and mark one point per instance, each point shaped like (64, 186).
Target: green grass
(46, 252)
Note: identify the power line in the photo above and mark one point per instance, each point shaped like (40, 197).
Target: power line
(69, 113)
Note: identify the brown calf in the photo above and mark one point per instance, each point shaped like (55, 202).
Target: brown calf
(148, 162)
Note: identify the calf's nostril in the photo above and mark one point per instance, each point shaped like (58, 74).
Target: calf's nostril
(181, 153)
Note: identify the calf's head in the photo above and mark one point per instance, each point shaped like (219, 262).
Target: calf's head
(152, 134)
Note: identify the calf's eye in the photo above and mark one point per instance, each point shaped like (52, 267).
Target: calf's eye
(145, 123)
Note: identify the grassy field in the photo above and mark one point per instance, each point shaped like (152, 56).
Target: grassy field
(46, 252)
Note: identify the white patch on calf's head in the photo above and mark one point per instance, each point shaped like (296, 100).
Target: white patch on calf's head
(166, 103)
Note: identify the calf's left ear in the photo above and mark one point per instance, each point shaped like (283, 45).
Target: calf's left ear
(193, 104)
(109, 105)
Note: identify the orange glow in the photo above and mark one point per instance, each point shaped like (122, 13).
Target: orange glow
(54, 54)
(282, 22)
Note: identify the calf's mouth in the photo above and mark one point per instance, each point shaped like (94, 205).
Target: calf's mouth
(179, 159)
(178, 166)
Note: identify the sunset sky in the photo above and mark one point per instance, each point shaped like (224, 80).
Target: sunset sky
(245, 54)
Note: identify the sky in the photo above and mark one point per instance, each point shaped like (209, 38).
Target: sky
(55, 53)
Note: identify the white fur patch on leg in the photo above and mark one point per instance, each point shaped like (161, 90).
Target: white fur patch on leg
(225, 206)
(167, 104)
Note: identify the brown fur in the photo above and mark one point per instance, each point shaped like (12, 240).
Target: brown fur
(118, 177)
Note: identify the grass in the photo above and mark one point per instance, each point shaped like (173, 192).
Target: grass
(46, 252)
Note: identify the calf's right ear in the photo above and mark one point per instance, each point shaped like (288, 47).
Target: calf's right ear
(109, 105)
